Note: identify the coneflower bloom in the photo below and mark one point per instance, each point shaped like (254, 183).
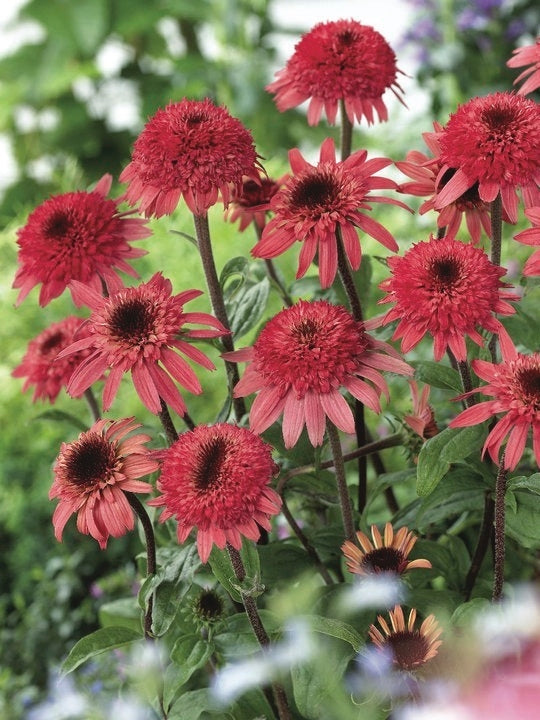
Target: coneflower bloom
(388, 553)
(334, 61)
(531, 236)
(447, 289)
(528, 55)
(494, 142)
(92, 475)
(141, 330)
(216, 479)
(299, 362)
(77, 236)
(410, 647)
(317, 201)
(424, 171)
(251, 202)
(514, 385)
(40, 365)
(191, 149)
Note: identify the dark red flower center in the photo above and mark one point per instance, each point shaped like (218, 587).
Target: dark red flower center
(51, 345)
(317, 190)
(213, 455)
(57, 225)
(385, 559)
(90, 461)
(409, 647)
(529, 381)
(498, 118)
(132, 320)
(445, 272)
(254, 194)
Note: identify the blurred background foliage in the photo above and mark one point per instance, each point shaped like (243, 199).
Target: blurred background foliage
(72, 101)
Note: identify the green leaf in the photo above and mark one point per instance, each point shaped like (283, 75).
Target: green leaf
(337, 629)
(190, 653)
(191, 705)
(531, 483)
(96, 643)
(282, 561)
(233, 275)
(124, 612)
(169, 586)
(247, 307)
(221, 567)
(314, 682)
(469, 611)
(89, 22)
(437, 375)
(524, 525)
(460, 490)
(439, 452)
(61, 416)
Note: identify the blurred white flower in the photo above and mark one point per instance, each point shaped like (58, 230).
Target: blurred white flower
(380, 591)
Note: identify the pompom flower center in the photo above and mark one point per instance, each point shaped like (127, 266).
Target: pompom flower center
(528, 379)
(309, 347)
(51, 345)
(90, 462)
(445, 273)
(209, 471)
(57, 226)
(318, 191)
(409, 648)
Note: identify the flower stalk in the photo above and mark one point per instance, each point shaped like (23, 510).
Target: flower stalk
(151, 566)
(500, 491)
(341, 481)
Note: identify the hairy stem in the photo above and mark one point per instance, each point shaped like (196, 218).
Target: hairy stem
(347, 279)
(139, 509)
(202, 231)
(496, 248)
(259, 630)
(482, 544)
(500, 491)
(168, 425)
(341, 481)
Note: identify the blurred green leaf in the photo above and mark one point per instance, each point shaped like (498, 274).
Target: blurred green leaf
(98, 642)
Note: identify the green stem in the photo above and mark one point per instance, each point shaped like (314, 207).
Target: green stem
(202, 231)
(92, 404)
(259, 630)
(341, 481)
(346, 132)
(500, 491)
(151, 566)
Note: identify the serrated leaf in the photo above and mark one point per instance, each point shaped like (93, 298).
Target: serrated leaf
(96, 643)
(437, 375)
(439, 452)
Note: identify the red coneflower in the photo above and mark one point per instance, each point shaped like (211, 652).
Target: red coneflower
(531, 236)
(191, 149)
(40, 365)
(92, 475)
(410, 646)
(493, 141)
(317, 201)
(299, 362)
(388, 553)
(447, 289)
(77, 236)
(528, 55)
(340, 60)
(424, 171)
(216, 479)
(251, 202)
(141, 330)
(515, 386)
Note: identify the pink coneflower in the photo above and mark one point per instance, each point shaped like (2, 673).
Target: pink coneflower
(386, 554)
(447, 289)
(493, 141)
(216, 479)
(410, 646)
(341, 60)
(141, 330)
(515, 386)
(301, 359)
(528, 55)
(318, 201)
(191, 149)
(77, 236)
(422, 418)
(92, 475)
(531, 236)
(40, 365)
(251, 202)
(424, 171)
